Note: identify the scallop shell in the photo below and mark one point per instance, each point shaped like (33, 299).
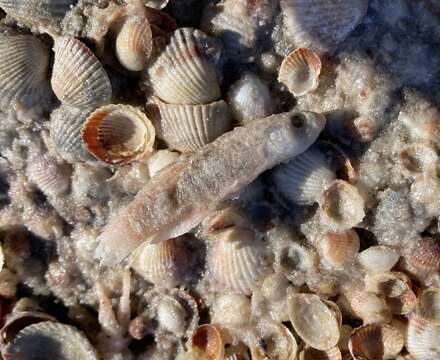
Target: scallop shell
(429, 304)
(184, 72)
(375, 341)
(425, 256)
(370, 307)
(422, 340)
(78, 78)
(379, 258)
(49, 339)
(419, 159)
(300, 71)
(207, 343)
(118, 134)
(160, 160)
(316, 321)
(24, 63)
(189, 127)
(303, 179)
(321, 25)
(171, 315)
(338, 250)
(231, 310)
(309, 353)
(238, 260)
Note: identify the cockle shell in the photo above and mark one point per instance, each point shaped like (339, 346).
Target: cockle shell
(161, 159)
(118, 134)
(370, 307)
(379, 258)
(425, 256)
(185, 72)
(321, 25)
(316, 321)
(338, 250)
(24, 63)
(207, 343)
(422, 340)
(188, 128)
(309, 353)
(78, 78)
(375, 341)
(429, 304)
(300, 71)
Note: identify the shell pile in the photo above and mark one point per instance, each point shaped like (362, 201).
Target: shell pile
(220, 180)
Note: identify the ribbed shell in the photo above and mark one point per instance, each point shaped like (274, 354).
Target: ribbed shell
(78, 78)
(426, 255)
(207, 343)
(184, 73)
(188, 128)
(321, 25)
(313, 354)
(50, 340)
(370, 307)
(303, 179)
(422, 340)
(24, 62)
(338, 250)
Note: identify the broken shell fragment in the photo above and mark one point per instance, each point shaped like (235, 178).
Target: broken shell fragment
(429, 304)
(118, 134)
(300, 71)
(422, 338)
(207, 343)
(309, 353)
(338, 250)
(379, 258)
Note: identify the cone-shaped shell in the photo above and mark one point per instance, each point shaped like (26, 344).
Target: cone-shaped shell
(118, 134)
(379, 258)
(78, 78)
(303, 179)
(422, 340)
(429, 306)
(316, 321)
(189, 127)
(426, 255)
(375, 341)
(24, 62)
(50, 340)
(184, 72)
(207, 343)
(338, 250)
(300, 71)
(309, 353)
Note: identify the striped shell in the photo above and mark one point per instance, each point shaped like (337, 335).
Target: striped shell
(339, 250)
(118, 134)
(207, 343)
(24, 63)
(370, 307)
(184, 72)
(422, 340)
(379, 258)
(300, 71)
(425, 256)
(78, 78)
(309, 353)
(189, 127)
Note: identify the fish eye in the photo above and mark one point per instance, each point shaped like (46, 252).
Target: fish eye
(297, 121)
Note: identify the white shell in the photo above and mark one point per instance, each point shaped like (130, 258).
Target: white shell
(419, 158)
(231, 310)
(171, 315)
(422, 340)
(370, 307)
(161, 159)
(429, 304)
(339, 250)
(309, 353)
(379, 258)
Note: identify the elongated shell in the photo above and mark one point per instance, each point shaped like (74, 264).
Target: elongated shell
(309, 353)
(379, 258)
(429, 306)
(300, 71)
(278, 340)
(184, 73)
(338, 250)
(303, 179)
(118, 134)
(24, 63)
(189, 127)
(78, 78)
(422, 340)
(321, 25)
(50, 340)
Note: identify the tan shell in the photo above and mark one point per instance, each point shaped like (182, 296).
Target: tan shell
(425, 256)
(418, 159)
(422, 340)
(78, 78)
(379, 258)
(317, 322)
(375, 341)
(160, 160)
(429, 304)
(300, 71)
(207, 343)
(184, 73)
(188, 128)
(344, 338)
(225, 218)
(118, 134)
(370, 307)
(338, 250)
(309, 353)
(231, 310)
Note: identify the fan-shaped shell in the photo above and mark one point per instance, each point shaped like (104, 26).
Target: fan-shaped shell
(78, 78)
(184, 73)
(118, 134)
(309, 353)
(207, 343)
(379, 258)
(321, 25)
(338, 250)
(24, 63)
(189, 127)
(49, 339)
(300, 71)
(370, 307)
(422, 340)
(425, 256)
(429, 305)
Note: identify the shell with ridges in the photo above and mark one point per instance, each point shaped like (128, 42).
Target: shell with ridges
(425, 256)
(309, 353)
(207, 343)
(370, 307)
(422, 339)
(338, 250)
(379, 258)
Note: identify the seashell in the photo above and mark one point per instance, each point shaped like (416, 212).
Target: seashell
(425, 256)
(370, 307)
(309, 353)
(156, 4)
(362, 128)
(316, 321)
(342, 207)
(161, 159)
(344, 338)
(171, 315)
(162, 263)
(89, 184)
(184, 72)
(207, 343)
(421, 121)
(78, 78)
(379, 258)
(419, 159)
(429, 304)
(238, 260)
(322, 25)
(338, 250)
(50, 339)
(375, 341)
(118, 134)
(422, 340)
(222, 219)
(274, 289)
(300, 71)
(424, 202)
(249, 98)
(231, 310)
(189, 127)
(24, 63)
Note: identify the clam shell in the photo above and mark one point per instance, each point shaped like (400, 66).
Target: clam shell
(24, 63)
(171, 315)
(207, 343)
(338, 250)
(375, 341)
(238, 260)
(189, 127)
(309, 353)
(279, 343)
(379, 258)
(118, 134)
(422, 340)
(314, 320)
(184, 72)
(78, 78)
(321, 25)
(425, 256)
(160, 160)
(303, 179)
(429, 305)
(370, 307)
(300, 71)
(49, 339)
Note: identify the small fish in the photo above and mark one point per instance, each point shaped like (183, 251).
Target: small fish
(179, 197)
